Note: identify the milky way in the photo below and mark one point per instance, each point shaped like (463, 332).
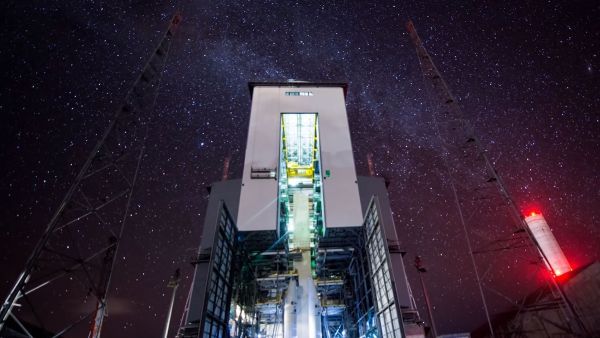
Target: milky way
(525, 74)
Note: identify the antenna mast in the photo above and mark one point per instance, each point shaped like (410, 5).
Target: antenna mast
(96, 207)
(472, 176)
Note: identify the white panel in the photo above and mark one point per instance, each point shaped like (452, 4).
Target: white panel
(258, 199)
(340, 189)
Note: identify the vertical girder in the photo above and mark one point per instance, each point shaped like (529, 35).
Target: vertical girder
(95, 207)
(480, 194)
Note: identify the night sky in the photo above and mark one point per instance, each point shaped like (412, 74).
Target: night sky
(527, 75)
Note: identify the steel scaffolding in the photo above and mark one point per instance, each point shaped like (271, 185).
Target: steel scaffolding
(481, 197)
(73, 253)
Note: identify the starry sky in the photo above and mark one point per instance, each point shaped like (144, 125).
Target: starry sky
(525, 73)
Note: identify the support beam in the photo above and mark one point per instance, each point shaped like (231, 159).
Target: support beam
(103, 188)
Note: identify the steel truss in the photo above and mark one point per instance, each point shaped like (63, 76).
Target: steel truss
(255, 270)
(344, 284)
(334, 285)
(484, 204)
(244, 296)
(73, 259)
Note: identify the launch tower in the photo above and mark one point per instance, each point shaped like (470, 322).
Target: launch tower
(300, 246)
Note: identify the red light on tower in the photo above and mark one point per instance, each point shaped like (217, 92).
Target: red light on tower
(547, 244)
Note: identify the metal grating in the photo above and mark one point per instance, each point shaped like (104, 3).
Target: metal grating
(79, 246)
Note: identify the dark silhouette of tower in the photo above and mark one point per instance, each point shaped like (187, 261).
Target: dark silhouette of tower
(480, 195)
(73, 253)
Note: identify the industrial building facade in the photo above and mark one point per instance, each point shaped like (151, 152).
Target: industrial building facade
(299, 246)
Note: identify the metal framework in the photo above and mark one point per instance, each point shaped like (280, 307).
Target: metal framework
(245, 282)
(389, 316)
(361, 309)
(482, 200)
(244, 297)
(220, 264)
(337, 250)
(105, 273)
(344, 284)
(248, 275)
(173, 284)
(76, 253)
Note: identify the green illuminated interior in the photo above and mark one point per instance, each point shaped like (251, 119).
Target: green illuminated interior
(300, 199)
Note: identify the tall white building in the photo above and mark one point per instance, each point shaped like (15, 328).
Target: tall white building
(299, 246)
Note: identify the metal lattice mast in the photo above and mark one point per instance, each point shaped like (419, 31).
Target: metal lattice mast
(173, 284)
(109, 259)
(73, 249)
(472, 176)
(421, 269)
